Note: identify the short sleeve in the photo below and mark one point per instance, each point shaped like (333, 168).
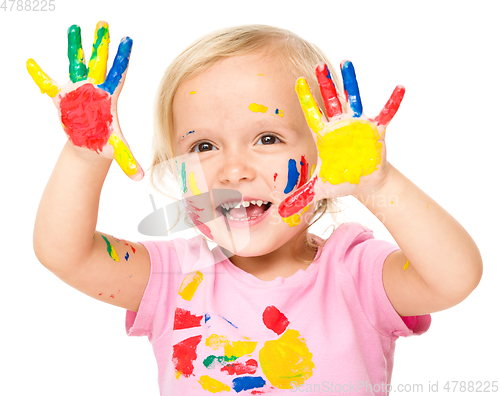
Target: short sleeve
(365, 260)
(170, 261)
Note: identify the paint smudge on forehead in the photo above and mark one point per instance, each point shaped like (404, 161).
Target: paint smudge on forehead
(257, 108)
(279, 112)
(189, 133)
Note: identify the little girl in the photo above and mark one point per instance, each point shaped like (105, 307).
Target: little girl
(272, 309)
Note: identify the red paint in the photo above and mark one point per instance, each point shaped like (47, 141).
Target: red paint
(86, 116)
(275, 176)
(391, 107)
(125, 242)
(190, 209)
(256, 392)
(184, 354)
(304, 170)
(183, 319)
(298, 200)
(275, 320)
(100, 294)
(112, 296)
(328, 91)
(249, 367)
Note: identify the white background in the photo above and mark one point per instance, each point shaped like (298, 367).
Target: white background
(445, 138)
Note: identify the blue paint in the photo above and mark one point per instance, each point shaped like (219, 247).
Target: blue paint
(228, 322)
(293, 176)
(187, 134)
(127, 256)
(277, 111)
(207, 317)
(247, 382)
(120, 64)
(328, 73)
(351, 88)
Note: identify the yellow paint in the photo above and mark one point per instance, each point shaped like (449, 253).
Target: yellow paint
(407, 264)
(192, 184)
(286, 362)
(98, 64)
(216, 341)
(349, 151)
(294, 220)
(239, 348)
(212, 385)
(177, 374)
(313, 167)
(257, 108)
(192, 92)
(122, 155)
(309, 105)
(260, 74)
(43, 81)
(190, 284)
(280, 113)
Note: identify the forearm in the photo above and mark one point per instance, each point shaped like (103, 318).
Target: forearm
(439, 248)
(67, 214)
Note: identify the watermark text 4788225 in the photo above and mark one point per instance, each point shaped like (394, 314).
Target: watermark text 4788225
(27, 5)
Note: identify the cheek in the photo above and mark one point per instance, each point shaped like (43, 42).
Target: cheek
(292, 173)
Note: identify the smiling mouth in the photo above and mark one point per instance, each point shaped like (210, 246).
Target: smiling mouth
(244, 210)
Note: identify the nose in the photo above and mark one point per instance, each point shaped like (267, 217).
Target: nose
(235, 167)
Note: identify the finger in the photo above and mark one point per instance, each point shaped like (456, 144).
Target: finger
(391, 107)
(120, 65)
(44, 82)
(351, 87)
(328, 91)
(99, 59)
(297, 201)
(77, 66)
(123, 156)
(309, 106)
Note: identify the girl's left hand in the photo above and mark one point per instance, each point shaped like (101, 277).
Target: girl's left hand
(351, 146)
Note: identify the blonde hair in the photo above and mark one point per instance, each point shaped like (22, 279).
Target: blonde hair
(296, 55)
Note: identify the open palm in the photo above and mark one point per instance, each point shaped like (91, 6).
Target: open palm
(87, 104)
(351, 146)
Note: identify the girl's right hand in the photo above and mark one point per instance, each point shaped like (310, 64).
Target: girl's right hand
(87, 104)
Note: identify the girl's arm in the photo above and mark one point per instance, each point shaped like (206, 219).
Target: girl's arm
(65, 241)
(444, 263)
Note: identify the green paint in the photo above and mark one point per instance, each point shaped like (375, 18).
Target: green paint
(102, 34)
(108, 246)
(77, 67)
(183, 174)
(213, 361)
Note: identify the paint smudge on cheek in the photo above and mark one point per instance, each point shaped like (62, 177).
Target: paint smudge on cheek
(249, 367)
(111, 249)
(86, 117)
(195, 218)
(212, 385)
(407, 264)
(127, 256)
(275, 320)
(304, 166)
(286, 360)
(192, 92)
(247, 383)
(298, 200)
(190, 284)
(293, 176)
(183, 356)
(193, 185)
(349, 152)
(257, 108)
(184, 319)
(294, 220)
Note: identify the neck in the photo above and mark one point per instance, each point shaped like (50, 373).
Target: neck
(284, 261)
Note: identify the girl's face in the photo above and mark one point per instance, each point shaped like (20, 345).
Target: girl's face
(244, 120)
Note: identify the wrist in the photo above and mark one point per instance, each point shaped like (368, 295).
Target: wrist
(379, 190)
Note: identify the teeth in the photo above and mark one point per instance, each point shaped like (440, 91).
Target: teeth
(245, 204)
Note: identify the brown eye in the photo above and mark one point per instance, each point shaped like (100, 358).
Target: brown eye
(204, 146)
(269, 139)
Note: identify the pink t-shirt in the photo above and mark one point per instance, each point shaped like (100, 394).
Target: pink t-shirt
(329, 328)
